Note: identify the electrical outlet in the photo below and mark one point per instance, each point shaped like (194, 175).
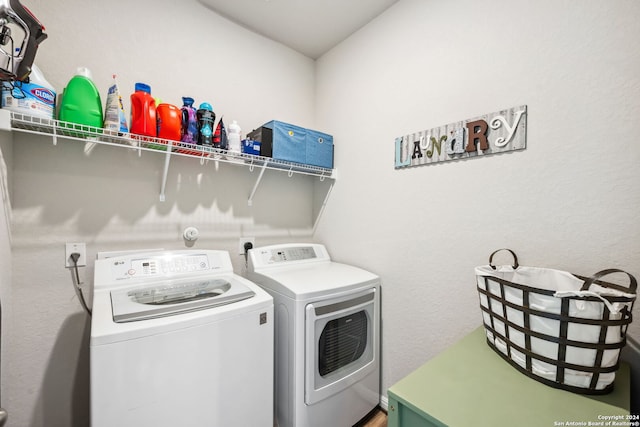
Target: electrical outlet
(244, 240)
(80, 248)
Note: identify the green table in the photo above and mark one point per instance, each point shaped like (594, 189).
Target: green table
(470, 385)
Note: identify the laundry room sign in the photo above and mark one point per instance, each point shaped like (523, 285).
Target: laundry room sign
(493, 133)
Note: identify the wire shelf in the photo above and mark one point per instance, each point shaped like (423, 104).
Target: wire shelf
(57, 128)
(72, 131)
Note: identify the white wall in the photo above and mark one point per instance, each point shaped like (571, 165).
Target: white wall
(5, 259)
(569, 201)
(109, 197)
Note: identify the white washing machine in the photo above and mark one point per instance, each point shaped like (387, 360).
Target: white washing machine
(327, 335)
(177, 339)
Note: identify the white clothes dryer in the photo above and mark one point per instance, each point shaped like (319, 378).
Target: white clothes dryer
(327, 335)
(177, 339)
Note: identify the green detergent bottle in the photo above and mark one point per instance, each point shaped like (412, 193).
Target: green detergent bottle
(81, 102)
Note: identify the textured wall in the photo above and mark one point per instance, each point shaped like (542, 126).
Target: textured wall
(5, 259)
(569, 201)
(108, 197)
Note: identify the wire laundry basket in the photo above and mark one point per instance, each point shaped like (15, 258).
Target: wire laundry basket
(558, 328)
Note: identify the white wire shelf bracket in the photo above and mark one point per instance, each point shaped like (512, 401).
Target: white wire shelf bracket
(72, 131)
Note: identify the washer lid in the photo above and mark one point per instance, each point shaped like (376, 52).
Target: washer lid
(159, 300)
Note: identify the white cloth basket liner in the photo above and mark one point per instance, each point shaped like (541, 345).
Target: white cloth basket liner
(548, 325)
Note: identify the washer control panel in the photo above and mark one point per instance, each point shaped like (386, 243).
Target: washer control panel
(161, 265)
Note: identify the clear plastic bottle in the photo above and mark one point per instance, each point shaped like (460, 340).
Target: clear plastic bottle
(234, 137)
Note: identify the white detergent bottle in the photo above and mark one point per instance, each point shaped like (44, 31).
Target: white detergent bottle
(36, 98)
(234, 137)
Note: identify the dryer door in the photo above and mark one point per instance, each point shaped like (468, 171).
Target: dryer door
(340, 342)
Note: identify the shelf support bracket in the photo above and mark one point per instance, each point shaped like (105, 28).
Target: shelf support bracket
(255, 186)
(167, 159)
(324, 203)
(54, 137)
(138, 143)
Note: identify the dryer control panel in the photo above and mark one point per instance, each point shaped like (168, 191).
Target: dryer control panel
(288, 254)
(292, 254)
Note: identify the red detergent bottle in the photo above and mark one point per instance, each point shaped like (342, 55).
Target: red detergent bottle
(169, 118)
(143, 111)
